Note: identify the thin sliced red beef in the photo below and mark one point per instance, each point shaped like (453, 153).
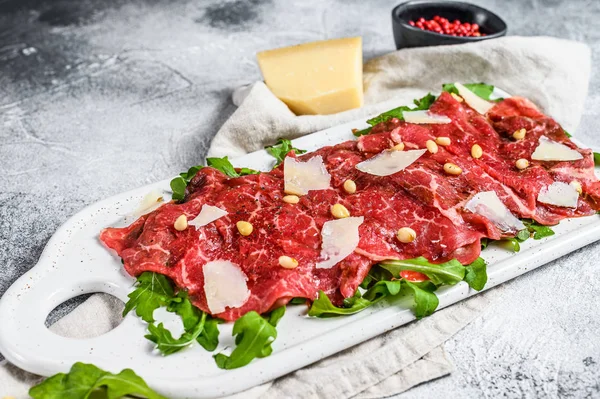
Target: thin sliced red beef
(422, 197)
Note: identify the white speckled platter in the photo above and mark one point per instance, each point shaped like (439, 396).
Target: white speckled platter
(74, 262)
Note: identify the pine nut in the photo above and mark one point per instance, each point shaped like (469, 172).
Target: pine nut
(577, 186)
(519, 134)
(452, 169)
(339, 211)
(431, 146)
(287, 262)
(398, 147)
(244, 228)
(476, 151)
(444, 141)
(350, 186)
(522, 163)
(457, 97)
(406, 235)
(181, 223)
(291, 199)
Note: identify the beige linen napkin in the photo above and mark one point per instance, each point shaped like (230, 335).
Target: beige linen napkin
(553, 73)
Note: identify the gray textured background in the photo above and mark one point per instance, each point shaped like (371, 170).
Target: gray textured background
(97, 98)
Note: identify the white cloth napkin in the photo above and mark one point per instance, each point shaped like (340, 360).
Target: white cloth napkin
(553, 73)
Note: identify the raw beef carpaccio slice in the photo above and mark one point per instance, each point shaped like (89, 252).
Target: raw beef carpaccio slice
(422, 196)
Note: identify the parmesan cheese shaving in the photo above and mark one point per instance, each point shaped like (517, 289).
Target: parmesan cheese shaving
(389, 162)
(224, 285)
(207, 214)
(559, 194)
(302, 177)
(488, 205)
(548, 150)
(150, 202)
(425, 117)
(477, 103)
(339, 239)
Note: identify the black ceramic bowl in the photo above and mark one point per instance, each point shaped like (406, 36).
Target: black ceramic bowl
(409, 36)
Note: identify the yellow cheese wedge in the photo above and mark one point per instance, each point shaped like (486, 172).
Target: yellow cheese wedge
(322, 77)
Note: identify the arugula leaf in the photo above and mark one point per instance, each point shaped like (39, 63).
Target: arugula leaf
(85, 380)
(191, 316)
(449, 273)
(281, 149)
(569, 135)
(421, 104)
(382, 289)
(510, 244)
(523, 235)
(198, 326)
(253, 337)
(178, 186)
(481, 89)
(597, 158)
(484, 243)
(225, 166)
(209, 337)
(424, 102)
(153, 291)
(322, 306)
(275, 316)
(168, 345)
(537, 230)
(179, 183)
(426, 302)
(476, 275)
(298, 301)
(376, 274)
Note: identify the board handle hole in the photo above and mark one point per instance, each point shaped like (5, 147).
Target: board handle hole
(86, 316)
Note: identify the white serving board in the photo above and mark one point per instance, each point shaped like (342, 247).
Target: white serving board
(74, 262)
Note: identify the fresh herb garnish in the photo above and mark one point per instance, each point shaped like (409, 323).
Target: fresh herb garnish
(385, 281)
(476, 274)
(225, 166)
(481, 89)
(448, 273)
(85, 380)
(298, 301)
(254, 335)
(152, 291)
(179, 184)
(155, 290)
(538, 231)
(597, 158)
(426, 302)
(322, 306)
(421, 104)
(281, 149)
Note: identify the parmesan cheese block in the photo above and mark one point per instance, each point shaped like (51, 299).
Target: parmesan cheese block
(548, 150)
(488, 205)
(339, 239)
(389, 162)
(207, 214)
(301, 177)
(477, 103)
(559, 194)
(224, 285)
(424, 117)
(322, 77)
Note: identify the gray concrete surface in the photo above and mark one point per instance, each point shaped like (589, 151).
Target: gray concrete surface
(99, 97)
